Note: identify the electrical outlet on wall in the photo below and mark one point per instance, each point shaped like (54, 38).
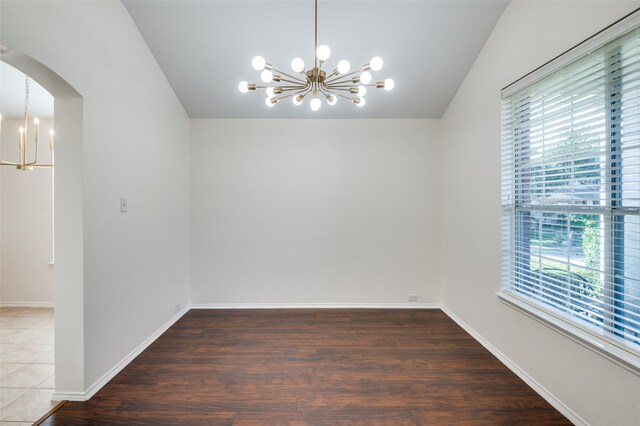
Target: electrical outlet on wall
(413, 298)
(124, 205)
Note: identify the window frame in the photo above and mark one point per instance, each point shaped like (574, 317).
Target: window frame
(625, 355)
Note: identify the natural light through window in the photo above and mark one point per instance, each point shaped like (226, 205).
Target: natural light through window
(571, 193)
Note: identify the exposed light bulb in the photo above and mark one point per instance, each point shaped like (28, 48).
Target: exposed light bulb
(331, 99)
(362, 91)
(270, 92)
(376, 63)
(36, 121)
(297, 100)
(389, 84)
(365, 77)
(51, 132)
(315, 104)
(266, 76)
(21, 130)
(297, 65)
(344, 66)
(258, 63)
(323, 52)
(361, 102)
(270, 102)
(243, 87)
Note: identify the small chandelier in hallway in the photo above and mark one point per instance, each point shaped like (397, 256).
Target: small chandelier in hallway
(23, 162)
(316, 82)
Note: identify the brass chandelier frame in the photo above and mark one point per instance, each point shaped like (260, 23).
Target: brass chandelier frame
(23, 140)
(316, 81)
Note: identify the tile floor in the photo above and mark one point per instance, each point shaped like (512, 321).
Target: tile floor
(26, 364)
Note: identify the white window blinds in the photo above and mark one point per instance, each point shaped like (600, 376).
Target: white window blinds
(571, 192)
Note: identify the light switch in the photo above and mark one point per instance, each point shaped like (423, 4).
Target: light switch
(123, 205)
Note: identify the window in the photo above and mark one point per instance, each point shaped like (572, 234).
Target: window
(571, 192)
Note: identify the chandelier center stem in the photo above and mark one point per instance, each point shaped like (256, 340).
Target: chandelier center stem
(315, 45)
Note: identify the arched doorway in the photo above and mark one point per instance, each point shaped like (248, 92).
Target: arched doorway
(68, 224)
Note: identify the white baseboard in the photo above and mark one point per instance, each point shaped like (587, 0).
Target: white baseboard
(26, 304)
(69, 396)
(411, 305)
(84, 396)
(537, 387)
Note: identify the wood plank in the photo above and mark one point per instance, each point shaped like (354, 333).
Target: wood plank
(314, 367)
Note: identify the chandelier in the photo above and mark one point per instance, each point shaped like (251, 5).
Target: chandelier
(316, 82)
(23, 163)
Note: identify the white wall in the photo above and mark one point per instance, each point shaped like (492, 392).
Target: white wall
(314, 211)
(26, 223)
(529, 34)
(135, 144)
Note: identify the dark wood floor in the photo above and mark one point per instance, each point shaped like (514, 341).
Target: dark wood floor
(314, 367)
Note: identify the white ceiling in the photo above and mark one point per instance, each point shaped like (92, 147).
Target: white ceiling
(12, 95)
(205, 49)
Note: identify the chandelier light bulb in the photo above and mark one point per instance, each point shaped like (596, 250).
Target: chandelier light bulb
(21, 130)
(270, 92)
(344, 66)
(361, 102)
(258, 63)
(266, 76)
(376, 63)
(50, 132)
(270, 102)
(389, 84)
(365, 77)
(331, 99)
(243, 87)
(315, 104)
(362, 91)
(323, 52)
(297, 65)
(297, 100)
(36, 121)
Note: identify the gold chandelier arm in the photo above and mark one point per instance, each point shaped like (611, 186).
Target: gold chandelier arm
(329, 80)
(345, 97)
(35, 160)
(339, 82)
(285, 96)
(327, 92)
(304, 92)
(342, 90)
(290, 76)
(297, 86)
(8, 163)
(293, 81)
(335, 72)
(333, 87)
(291, 89)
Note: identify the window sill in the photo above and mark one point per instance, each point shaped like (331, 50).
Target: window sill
(623, 357)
